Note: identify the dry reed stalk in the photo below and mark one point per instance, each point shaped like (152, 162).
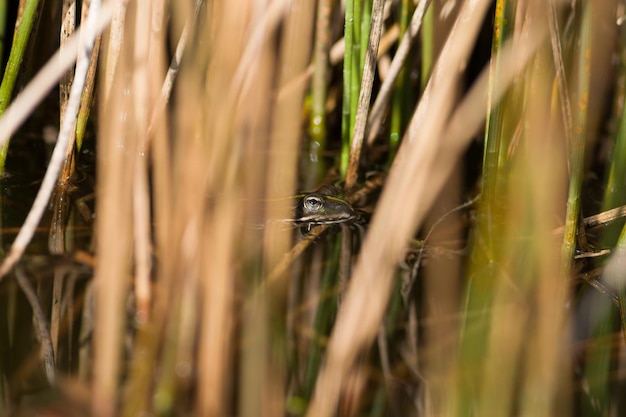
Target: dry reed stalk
(283, 146)
(115, 36)
(158, 127)
(57, 242)
(143, 100)
(67, 29)
(118, 143)
(546, 373)
(213, 151)
(286, 126)
(223, 154)
(442, 276)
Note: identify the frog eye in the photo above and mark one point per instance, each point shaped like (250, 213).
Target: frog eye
(313, 203)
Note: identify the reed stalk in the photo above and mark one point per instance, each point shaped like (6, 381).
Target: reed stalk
(348, 74)
(23, 30)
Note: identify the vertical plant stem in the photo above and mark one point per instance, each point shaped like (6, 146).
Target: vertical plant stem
(23, 30)
(326, 310)
(356, 47)
(319, 85)
(480, 288)
(400, 101)
(493, 134)
(576, 159)
(598, 361)
(615, 190)
(364, 95)
(428, 46)
(346, 132)
(483, 331)
(56, 236)
(366, 20)
(616, 186)
(3, 27)
(68, 24)
(142, 82)
(112, 276)
(355, 82)
(86, 100)
(561, 78)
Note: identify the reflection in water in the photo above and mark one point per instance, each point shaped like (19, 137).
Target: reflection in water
(44, 317)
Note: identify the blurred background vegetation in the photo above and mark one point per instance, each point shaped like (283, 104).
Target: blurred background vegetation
(470, 259)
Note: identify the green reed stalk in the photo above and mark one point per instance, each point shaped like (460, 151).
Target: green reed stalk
(494, 172)
(326, 311)
(615, 190)
(3, 26)
(86, 100)
(355, 79)
(366, 21)
(597, 368)
(576, 160)
(20, 42)
(616, 186)
(319, 85)
(3, 12)
(401, 99)
(347, 116)
(481, 287)
(495, 140)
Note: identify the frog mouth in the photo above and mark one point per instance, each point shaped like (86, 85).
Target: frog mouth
(313, 219)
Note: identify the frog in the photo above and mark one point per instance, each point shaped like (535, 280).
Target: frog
(323, 206)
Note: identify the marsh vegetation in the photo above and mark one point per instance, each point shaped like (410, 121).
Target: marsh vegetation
(313, 208)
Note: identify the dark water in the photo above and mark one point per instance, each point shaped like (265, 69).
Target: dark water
(42, 300)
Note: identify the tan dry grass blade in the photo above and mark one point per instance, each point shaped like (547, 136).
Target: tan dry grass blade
(232, 148)
(146, 82)
(286, 125)
(118, 140)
